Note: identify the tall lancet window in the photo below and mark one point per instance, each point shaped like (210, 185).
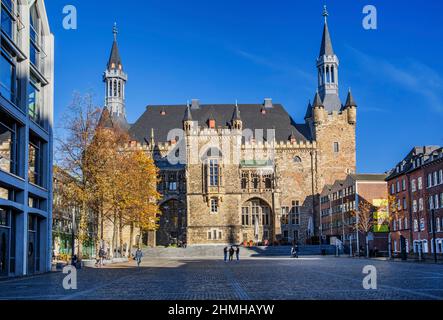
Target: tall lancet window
(115, 88)
(119, 88)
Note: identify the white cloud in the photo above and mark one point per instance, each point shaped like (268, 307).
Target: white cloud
(413, 76)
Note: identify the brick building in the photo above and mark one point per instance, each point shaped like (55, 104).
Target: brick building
(416, 182)
(242, 172)
(337, 204)
(433, 171)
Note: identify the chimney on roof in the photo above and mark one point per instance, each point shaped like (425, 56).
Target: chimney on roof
(195, 103)
(268, 103)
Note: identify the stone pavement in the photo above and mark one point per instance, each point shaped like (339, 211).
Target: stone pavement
(255, 278)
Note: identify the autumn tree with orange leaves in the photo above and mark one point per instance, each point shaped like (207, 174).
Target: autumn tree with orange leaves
(110, 182)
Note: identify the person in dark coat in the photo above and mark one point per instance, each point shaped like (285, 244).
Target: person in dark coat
(225, 252)
(231, 253)
(237, 253)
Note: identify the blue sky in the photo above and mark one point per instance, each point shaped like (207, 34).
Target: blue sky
(222, 50)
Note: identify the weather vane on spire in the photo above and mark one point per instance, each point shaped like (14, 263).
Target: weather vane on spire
(325, 13)
(115, 31)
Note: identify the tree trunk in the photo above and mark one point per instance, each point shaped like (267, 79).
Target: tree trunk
(131, 235)
(114, 235)
(120, 233)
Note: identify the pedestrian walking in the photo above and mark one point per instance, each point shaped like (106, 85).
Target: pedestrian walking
(101, 257)
(237, 253)
(138, 256)
(231, 253)
(225, 252)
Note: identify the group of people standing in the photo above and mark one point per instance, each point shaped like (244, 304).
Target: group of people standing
(231, 253)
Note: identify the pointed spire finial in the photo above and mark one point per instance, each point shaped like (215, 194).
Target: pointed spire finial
(115, 31)
(325, 13)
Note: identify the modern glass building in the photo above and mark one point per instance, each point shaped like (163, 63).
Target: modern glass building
(26, 119)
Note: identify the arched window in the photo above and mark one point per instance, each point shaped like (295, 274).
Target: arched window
(333, 74)
(115, 88)
(297, 159)
(119, 88)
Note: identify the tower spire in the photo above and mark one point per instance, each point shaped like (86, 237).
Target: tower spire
(325, 13)
(115, 31)
(327, 68)
(115, 82)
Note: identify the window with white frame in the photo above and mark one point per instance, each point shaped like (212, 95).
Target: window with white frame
(403, 184)
(420, 204)
(414, 205)
(429, 181)
(435, 178)
(431, 203)
(437, 223)
(392, 188)
(406, 223)
(436, 204)
(214, 205)
(245, 216)
(441, 176)
(415, 225)
(405, 205)
(214, 234)
(399, 224)
(398, 186)
(422, 224)
(420, 183)
(214, 173)
(394, 225)
(413, 186)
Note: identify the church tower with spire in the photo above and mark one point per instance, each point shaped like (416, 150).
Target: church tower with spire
(332, 124)
(327, 69)
(115, 81)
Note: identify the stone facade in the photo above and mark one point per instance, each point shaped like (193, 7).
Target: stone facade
(229, 183)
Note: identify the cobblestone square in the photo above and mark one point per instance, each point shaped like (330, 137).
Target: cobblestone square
(305, 278)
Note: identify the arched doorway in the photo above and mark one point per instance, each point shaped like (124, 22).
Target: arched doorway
(257, 221)
(172, 223)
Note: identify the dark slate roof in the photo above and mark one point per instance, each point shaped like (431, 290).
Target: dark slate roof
(188, 115)
(419, 151)
(309, 111)
(317, 101)
(326, 43)
(275, 118)
(331, 102)
(236, 115)
(115, 56)
(109, 121)
(350, 102)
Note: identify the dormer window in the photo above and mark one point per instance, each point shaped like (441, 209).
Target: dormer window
(113, 65)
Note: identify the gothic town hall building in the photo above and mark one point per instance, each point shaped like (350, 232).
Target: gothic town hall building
(231, 173)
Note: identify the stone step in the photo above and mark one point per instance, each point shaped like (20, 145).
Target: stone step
(217, 251)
